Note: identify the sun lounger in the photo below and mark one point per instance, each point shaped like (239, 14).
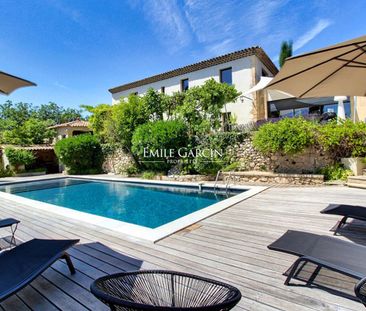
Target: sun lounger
(22, 264)
(323, 251)
(347, 211)
(13, 224)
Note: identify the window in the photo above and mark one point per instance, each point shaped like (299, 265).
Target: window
(184, 85)
(162, 89)
(226, 76)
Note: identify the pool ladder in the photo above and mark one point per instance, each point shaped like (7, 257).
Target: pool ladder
(227, 186)
(216, 180)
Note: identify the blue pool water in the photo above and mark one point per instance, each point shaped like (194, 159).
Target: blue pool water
(145, 205)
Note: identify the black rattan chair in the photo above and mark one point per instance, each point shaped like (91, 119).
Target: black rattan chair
(360, 291)
(164, 290)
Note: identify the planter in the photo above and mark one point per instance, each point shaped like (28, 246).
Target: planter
(356, 165)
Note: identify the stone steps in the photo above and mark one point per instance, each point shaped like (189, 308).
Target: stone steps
(357, 182)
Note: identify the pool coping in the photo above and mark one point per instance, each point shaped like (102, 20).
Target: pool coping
(132, 230)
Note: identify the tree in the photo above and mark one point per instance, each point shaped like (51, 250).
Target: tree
(32, 131)
(155, 104)
(23, 124)
(126, 117)
(70, 114)
(173, 102)
(19, 112)
(286, 51)
(57, 114)
(202, 105)
(99, 120)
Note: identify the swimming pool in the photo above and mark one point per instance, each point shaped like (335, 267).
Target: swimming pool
(144, 205)
(144, 209)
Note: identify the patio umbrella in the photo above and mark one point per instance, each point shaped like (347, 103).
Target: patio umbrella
(9, 83)
(271, 94)
(335, 70)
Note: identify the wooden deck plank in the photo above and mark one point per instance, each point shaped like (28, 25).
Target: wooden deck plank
(14, 303)
(229, 246)
(35, 300)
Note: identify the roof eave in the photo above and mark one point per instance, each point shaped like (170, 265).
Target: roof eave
(256, 51)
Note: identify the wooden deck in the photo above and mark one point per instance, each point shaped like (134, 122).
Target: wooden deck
(230, 246)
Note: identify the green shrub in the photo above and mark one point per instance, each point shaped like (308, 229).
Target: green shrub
(341, 139)
(159, 135)
(132, 170)
(345, 139)
(335, 172)
(232, 167)
(5, 172)
(18, 157)
(222, 140)
(148, 175)
(289, 135)
(219, 143)
(208, 166)
(81, 154)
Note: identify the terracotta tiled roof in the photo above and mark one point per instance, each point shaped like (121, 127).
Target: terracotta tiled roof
(257, 51)
(76, 123)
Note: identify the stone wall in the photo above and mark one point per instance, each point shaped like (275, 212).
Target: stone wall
(272, 178)
(117, 162)
(187, 178)
(307, 162)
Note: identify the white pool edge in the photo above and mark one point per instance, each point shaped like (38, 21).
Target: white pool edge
(135, 231)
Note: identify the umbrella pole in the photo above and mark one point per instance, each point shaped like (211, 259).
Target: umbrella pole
(341, 113)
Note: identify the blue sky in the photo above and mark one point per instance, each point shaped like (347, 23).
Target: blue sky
(76, 49)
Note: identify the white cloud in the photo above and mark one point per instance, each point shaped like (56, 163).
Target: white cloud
(67, 10)
(223, 26)
(210, 20)
(60, 85)
(167, 21)
(262, 15)
(311, 34)
(221, 47)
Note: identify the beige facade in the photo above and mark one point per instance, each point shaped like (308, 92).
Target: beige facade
(247, 66)
(65, 132)
(70, 129)
(358, 108)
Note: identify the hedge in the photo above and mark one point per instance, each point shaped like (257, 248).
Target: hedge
(81, 154)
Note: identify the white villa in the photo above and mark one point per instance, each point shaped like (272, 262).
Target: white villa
(242, 68)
